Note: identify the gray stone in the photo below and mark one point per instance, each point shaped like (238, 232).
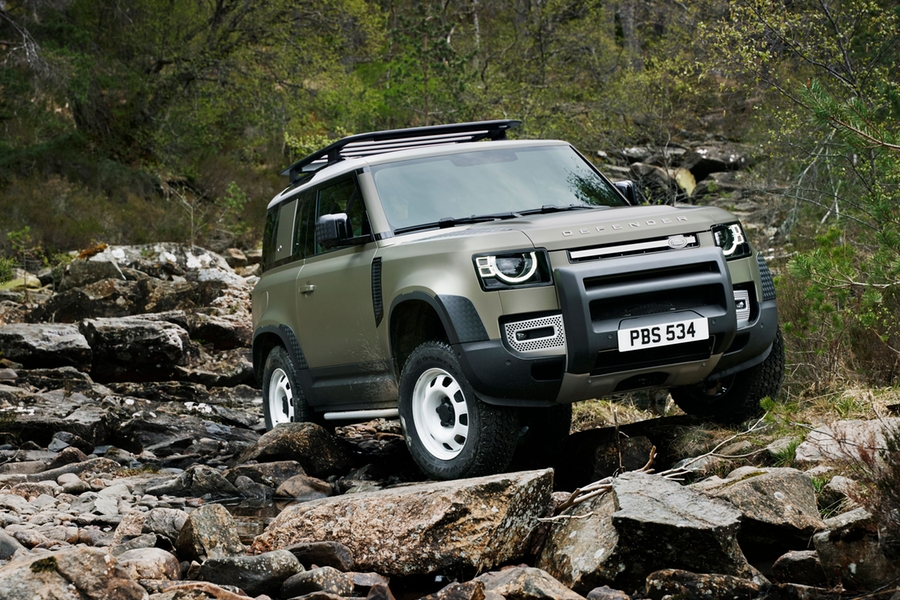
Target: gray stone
(323, 579)
(323, 554)
(260, 574)
(165, 522)
(852, 553)
(45, 345)
(778, 507)
(425, 528)
(197, 481)
(645, 523)
(271, 474)
(852, 441)
(150, 563)
(9, 546)
(209, 532)
(526, 582)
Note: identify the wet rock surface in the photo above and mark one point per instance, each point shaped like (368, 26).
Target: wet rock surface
(132, 442)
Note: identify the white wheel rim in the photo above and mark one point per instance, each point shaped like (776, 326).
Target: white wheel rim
(440, 414)
(281, 398)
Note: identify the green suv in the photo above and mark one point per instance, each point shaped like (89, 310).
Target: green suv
(476, 286)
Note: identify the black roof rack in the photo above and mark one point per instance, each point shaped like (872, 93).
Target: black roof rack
(378, 142)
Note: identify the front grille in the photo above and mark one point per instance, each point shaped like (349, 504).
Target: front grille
(653, 303)
(661, 244)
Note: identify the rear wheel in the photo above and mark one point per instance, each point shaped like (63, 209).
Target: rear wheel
(283, 399)
(450, 432)
(735, 398)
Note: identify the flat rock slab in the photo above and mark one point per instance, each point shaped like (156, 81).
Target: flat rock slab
(643, 524)
(424, 528)
(45, 345)
(846, 441)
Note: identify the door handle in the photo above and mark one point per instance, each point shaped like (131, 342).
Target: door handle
(307, 288)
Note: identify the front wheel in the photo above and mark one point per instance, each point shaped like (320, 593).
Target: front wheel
(283, 399)
(736, 398)
(450, 432)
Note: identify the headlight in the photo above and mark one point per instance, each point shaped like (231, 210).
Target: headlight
(513, 269)
(731, 239)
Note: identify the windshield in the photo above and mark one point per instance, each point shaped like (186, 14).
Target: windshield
(497, 181)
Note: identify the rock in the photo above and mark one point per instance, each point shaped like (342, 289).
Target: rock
(251, 490)
(852, 553)
(81, 272)
(323, 554)
(135, 349)
(470, 590)
(424, 528)
(838, 494)
(713, 158)
(150, 563)
(164, 522)
(604, 592)
(672, 583)
(45, 345)
(223, 332)
(304, 488)
(526, 582)
(318, 452)
(271, 474)
(323, 579)
(778, 506)
(83, 573)
(69, 379)
(9, 546)
(197, 481)
(645, 523)
(209, 532)
(800, 566)
(846, 441)
(225, 368)
(261, 574)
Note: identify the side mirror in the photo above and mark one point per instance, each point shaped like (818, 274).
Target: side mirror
(332, 230)
(627, 189)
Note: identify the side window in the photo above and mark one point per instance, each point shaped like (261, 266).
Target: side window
(304, 242)
(277, 244)
(344, 197)
(284, 245)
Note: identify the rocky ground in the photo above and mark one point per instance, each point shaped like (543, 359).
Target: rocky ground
(132, 435)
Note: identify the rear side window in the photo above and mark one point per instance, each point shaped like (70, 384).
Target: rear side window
(304, 236)
(278, 237)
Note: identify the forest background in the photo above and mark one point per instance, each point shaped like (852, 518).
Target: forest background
(169, 120)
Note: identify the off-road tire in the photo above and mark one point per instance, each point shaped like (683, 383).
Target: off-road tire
(737, 398)
(451, 433)
(283, 398)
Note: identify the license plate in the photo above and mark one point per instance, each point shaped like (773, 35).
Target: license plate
(664, 334)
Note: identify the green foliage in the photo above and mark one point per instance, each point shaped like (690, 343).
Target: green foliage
(7, 269)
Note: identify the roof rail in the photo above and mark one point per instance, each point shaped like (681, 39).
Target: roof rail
(393, 140)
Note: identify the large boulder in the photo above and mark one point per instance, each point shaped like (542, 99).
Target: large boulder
(262, 574)
(135, 349)
(78, 574)
(643, 524)
(526, 582)
(778, 505)
(45, 345)
(424, 528)
(38, 416)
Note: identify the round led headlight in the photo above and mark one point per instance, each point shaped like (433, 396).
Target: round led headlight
(514, 268)
(731, 239)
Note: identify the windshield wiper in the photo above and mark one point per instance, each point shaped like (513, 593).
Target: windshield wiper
(453, 221)
(552, 208)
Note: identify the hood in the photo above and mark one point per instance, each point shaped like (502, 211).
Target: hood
(561, 231)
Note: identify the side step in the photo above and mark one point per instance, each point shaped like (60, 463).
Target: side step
(362, 415)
